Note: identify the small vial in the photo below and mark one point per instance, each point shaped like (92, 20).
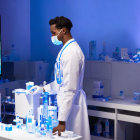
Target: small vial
(121, 94)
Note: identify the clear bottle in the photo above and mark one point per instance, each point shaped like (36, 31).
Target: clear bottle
(30, 121)
(42, 130)
(92, 50)
(121, 95)
(17, 120)
(40, 115)
(107, 128)
(45, 105)
(52, 112)
(50, 128)
(103, 53)
(101, 90)
(104, 49)
(99, 128)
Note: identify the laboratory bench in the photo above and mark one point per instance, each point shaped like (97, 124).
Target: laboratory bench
(17, 134)
(120, 111)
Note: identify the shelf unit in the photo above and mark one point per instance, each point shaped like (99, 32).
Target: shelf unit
(123, 111)
(8, 111)
(99, 138)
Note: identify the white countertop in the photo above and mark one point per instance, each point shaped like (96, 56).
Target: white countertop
(124, 104)
(17, 134)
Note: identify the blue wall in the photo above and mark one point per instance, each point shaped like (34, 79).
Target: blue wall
(116, 22)
(15, 16)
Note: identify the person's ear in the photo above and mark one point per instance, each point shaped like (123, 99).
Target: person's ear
(64, 30)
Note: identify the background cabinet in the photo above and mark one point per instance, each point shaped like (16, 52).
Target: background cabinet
(116, 76)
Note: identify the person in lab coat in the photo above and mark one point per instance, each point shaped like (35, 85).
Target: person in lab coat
(69, 72)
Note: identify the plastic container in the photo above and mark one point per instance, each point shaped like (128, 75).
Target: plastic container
(67, 134)
(122, 94)
(107, 129)
(70, 134)
(18, 121)
(8, 127)
(137, 97)
(29, 85)
(30, 122)
(40, 115)
(42, 130)
(92, 50)
(97, 89)
(98, 128)
(52, 112)
(50, 98)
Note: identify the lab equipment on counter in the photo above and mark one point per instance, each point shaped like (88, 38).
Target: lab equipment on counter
(8, 127)
(98, 92)
(30, 122)
(46, 128)
(104, 99)
(52, 112)
(108, 59)
(42, 130)
(27, 105)
(136, 57)
(36, 90)
(40, 115)
(2, 126)
(67, 134)
(16, 134)
(137, 97)
(52, 99)
(103, 53)
(47, 115)
(45, 105)
(20, 91)
(50, 128)
(49, 98)
(18, 121)
(24, 100)
(92, 50)
(124, 54)
(8, 99)
(116, 54)
(97, 89)
(121, 95)
(29, 85)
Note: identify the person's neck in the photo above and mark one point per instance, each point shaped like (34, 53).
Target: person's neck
(66, 39)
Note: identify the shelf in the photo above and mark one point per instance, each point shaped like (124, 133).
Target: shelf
(128, 118)
(126, 104)
(99, 138)
(6, 102)
(101, 114)
(7, 113)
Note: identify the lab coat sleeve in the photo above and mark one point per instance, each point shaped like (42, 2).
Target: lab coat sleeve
(66, 94)
(51, 87)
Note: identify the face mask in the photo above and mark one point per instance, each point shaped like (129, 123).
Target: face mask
(55, 40)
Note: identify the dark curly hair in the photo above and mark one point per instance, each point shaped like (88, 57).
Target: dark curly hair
(61, 22)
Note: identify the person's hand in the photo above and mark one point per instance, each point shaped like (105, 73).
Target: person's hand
(36, 90)
(60, 128)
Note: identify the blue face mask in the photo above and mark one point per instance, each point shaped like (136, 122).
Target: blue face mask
(55, 40)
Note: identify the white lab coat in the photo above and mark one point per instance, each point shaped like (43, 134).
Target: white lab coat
(71, 98)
